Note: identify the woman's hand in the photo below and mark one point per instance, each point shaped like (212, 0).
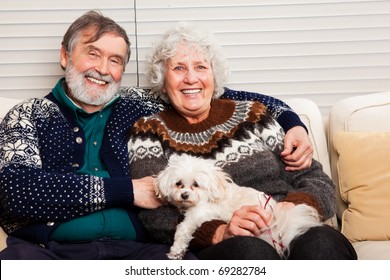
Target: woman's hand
(144, 193)
(298, 150)
(246, 221)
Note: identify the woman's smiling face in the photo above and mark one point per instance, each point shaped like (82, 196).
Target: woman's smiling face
(189, 82)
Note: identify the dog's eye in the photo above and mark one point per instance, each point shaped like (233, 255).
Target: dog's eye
(179, 183)
(195, 184)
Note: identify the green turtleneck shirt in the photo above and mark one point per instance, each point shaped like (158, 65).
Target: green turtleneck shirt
(113, 223)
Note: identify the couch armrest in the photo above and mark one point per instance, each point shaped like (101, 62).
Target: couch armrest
(310, 115)
(6, 104)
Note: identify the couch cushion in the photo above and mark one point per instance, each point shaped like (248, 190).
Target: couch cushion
(369, 112)
(372, 250)
(364, 181)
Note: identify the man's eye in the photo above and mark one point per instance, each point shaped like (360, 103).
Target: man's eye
(116, 61)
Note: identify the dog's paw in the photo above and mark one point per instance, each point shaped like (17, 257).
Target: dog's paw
(175, 256)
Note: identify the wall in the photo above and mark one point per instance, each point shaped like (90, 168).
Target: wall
(324, 50)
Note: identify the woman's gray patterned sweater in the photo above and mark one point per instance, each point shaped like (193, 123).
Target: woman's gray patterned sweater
(243, 139)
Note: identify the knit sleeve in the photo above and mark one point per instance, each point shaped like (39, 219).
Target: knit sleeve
(33, 192)
(317, 187)
(203, 236)
(303, 198)
(285, 116)
(161, 223)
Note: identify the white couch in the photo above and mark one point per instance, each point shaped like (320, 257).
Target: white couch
(359, 145)
(363, 210)
(363, 113)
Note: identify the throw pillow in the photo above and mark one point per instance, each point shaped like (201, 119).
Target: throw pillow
(364, 181)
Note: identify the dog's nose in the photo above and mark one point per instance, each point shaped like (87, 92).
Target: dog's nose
(185, 196)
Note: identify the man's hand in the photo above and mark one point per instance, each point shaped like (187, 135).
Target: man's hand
(298, 150)
(144, 193)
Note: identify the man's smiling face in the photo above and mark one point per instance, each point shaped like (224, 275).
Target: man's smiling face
(94, 69)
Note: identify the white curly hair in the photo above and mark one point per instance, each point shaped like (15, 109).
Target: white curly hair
(199, 39)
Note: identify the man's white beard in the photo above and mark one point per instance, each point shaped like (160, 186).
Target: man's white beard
(81, 91)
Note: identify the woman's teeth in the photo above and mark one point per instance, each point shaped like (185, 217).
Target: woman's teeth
(190, 91)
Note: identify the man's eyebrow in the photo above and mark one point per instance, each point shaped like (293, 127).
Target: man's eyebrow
(92, 47)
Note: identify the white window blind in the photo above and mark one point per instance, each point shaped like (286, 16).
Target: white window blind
(30, 38)
(324, 50)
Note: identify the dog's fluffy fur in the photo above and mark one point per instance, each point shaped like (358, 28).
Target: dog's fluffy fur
(205, 193)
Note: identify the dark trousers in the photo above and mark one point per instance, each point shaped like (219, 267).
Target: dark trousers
(104, 249)
(319, 243)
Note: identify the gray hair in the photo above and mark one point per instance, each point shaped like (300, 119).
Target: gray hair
(166, 48)
(98, 23)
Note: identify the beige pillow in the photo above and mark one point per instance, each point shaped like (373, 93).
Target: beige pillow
(364, 181)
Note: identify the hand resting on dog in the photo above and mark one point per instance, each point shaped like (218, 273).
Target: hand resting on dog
(247, 221)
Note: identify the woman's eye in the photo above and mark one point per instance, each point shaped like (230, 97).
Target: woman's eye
(179, 68)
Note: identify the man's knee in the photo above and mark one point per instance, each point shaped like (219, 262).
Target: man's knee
(18, 249)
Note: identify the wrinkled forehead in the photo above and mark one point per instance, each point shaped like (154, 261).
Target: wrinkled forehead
(188, 51)
(91, 34)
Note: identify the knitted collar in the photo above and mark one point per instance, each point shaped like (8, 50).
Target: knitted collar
(220, 112)
(224, 120)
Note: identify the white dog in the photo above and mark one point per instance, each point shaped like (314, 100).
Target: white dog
(205, 193)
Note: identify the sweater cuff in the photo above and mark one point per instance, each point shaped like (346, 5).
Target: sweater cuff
(203, 236)
(303, 198)
(118, 192)
(289, 119)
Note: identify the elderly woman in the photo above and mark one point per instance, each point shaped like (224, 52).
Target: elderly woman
(242, 137)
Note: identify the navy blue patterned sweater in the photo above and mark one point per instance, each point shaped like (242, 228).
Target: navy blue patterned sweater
(41, 147)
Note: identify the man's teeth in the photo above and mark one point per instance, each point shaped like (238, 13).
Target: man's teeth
(190, 91)
(100, 82)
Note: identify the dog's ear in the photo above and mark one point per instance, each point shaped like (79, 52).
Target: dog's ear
(157, 189)
(219, 185)
(159, 195)
(162, 184)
